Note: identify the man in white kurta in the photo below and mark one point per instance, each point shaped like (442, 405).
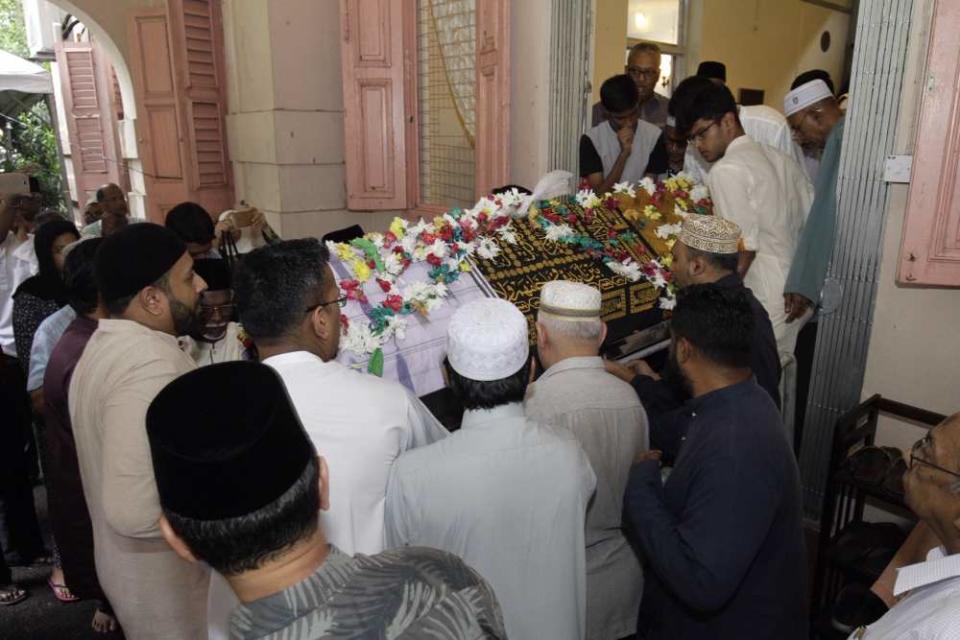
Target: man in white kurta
(506, 494)
(762, 189)
(606, 417)
(129, 359)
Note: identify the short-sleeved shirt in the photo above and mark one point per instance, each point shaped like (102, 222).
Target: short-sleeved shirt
(44, 340)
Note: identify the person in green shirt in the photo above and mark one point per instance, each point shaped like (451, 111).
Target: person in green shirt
(817, 123)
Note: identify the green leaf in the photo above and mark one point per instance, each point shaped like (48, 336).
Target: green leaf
(375, 366)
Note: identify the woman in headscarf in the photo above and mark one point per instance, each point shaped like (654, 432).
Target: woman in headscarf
(41, 295)
(36, 298)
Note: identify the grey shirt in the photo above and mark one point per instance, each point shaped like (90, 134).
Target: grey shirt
(604, 414)
(404, 593)
(508, 495)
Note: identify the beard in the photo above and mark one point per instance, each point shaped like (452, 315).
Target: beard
(184, 318)
(673, 376)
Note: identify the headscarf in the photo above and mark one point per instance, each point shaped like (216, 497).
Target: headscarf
(48, 283)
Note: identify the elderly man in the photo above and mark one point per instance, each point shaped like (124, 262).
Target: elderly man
(607, 419)
(262, 477)
(706, 253)
(216, 336)
(146, 280)
(929, 592)
(817, 122)
(643, 67)
(761, 189)
(723, 536)
(505, 493)
(623, 148)
(113, 212)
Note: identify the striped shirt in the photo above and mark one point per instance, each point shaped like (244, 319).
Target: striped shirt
(407, 593)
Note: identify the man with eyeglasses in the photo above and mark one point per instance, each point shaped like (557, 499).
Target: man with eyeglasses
(928, 593)
(643, 67)
(215, 336)
(623, 148)
(756, 186)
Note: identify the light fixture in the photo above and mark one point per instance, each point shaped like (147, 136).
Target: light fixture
(640, 21)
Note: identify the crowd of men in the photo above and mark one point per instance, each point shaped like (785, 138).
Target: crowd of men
(214, 471)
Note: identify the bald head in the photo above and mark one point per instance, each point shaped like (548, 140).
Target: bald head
(110, 197)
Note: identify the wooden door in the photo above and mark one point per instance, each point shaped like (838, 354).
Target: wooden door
(493, 95)
(94, 152)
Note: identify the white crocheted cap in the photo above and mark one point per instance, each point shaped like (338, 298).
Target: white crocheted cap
(487, 340)
(712, 234)
(573, 300)
(805, 95)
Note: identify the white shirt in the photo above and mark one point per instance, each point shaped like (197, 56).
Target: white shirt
(764, 125)
(18, 261)
(44, 340)
(226, 349)
(931, 608)
(768, 194)
(508, 496)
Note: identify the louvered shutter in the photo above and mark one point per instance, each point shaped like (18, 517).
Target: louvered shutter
(493, 94)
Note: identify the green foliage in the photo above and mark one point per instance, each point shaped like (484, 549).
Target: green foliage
(13, 33)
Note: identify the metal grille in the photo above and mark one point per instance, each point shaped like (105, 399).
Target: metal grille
(570, 60)
(446, 74)
(850, 290)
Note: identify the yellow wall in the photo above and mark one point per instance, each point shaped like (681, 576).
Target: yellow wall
(764, 43)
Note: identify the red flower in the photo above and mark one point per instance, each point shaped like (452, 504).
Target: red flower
(427, 237)
(434, 260)
(482, 217)
(389, 239)
(344, 322)
(394, 302)
(384, 285)
(468, 234)
(611, 203)
(572, 218)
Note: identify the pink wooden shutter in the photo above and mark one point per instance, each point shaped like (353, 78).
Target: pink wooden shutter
(930, 250)
(372, 54)
(493, 94)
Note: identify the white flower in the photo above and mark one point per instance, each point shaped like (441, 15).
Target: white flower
(439, 248)
(487, 249)
(667, 303)
(393, 265)
(558, 232)
(658, 281)
(664, 231)
(683, 175)
(409, 243)
(628, 269)
(486, 205)
(468, 248)
(418, 228)
(396, 327)
(648, 185)
(587, 199)
(332, 247)
(507, 234)
(680, 211)
(699, 192)
(359, 339)
(625, 189)
(419, 253)
(376, 239)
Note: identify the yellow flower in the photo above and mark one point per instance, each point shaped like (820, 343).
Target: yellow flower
(464, 266)
(667, 260)
(361, 270)
(651, 212)
(682, 204)
(670, 243)
(344, 252)
(398, 227)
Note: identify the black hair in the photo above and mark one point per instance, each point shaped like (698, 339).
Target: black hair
(101, 194)
(718, 321)
(273, 285)
(244, 543)
(78, 275)
(619, 94)
(712, 69)
(215, 272)
(720, 261)
(26, 204)
(701, 99)
(190, 222)
(47, 284)
(508, 187)
(813, 74)
(476, 394)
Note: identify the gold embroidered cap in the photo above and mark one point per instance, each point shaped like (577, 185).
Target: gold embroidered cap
(711, 234)
(571, 300)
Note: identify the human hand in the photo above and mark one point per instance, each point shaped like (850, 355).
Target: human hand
(795, 305)
(652, 454)
(625, 136)
(621, 371)
(226, 225)
(640, 367)
(258, 221)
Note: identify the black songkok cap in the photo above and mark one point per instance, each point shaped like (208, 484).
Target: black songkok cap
(712, 69)
(215, 272)
(135, 257)
(225, 441)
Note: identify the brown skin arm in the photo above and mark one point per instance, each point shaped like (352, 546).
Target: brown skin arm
(913, 550)
(601, 185)
(36, 400)
(744, 261)
(795, 305)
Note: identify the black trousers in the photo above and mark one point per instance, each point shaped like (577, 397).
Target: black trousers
(19, 530)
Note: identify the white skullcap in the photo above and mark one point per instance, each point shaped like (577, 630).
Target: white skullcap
(712, 234)
(487, 339)
(671, 122)
(571, 300)
(805, 95)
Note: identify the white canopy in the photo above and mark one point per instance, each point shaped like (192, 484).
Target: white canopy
(17, 74)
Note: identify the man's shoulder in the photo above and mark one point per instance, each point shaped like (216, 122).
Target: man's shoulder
(423, 561)
(581, 390)
(761, 112)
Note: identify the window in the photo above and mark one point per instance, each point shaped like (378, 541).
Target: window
(662, 22)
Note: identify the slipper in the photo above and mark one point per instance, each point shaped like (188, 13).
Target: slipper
(12, 594)
(61, 592)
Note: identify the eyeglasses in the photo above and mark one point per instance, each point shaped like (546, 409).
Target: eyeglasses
(645, 73)
(925, 443)
(693, 138)
(339, 301)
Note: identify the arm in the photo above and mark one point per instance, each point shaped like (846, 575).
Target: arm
(744, 260)
(423, 427)
(703, 555)
(593, 170)
(129, 491)
(729, 191)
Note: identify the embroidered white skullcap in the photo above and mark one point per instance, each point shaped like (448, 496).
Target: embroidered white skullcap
(571, 300)
(805, 95)
(671, 121)
(711, 234)
(487, 340)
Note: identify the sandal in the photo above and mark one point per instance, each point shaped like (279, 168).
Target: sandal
(12, 594)
(61, 591)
